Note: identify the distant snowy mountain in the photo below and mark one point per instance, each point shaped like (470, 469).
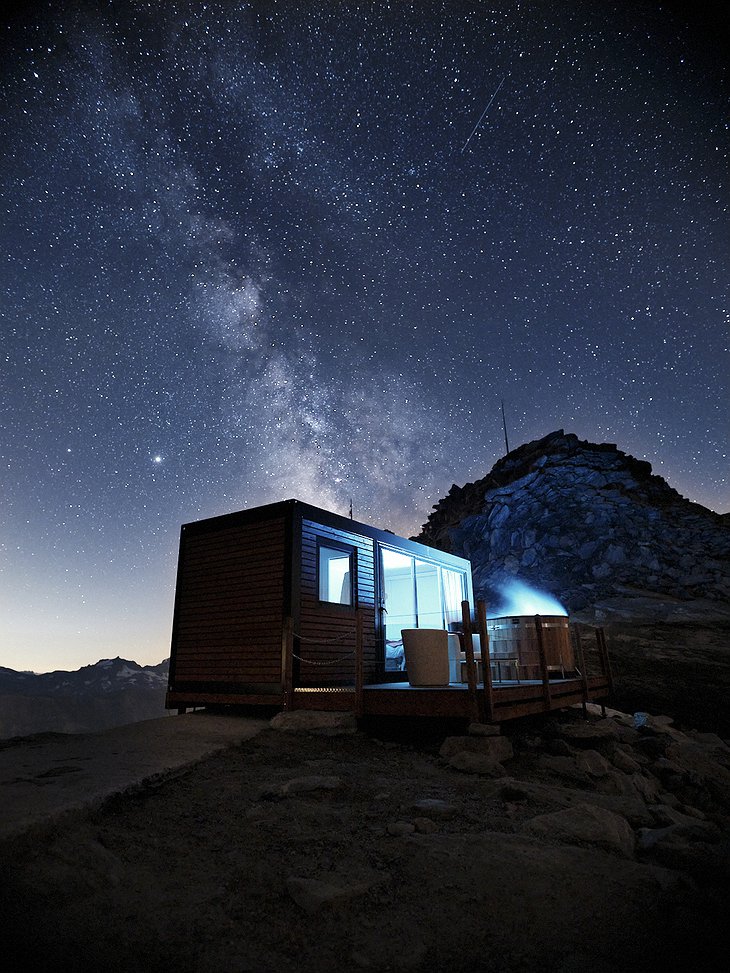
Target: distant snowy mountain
(110, 693)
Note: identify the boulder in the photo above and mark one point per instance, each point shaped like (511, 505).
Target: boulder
(624, 762)
(665, 815)
(588, 733)
(630, 806)
(647, 786)
(425, 826)
(677, 845)
(616, 783)
(311, 721)
(592, 763)
(495, 748)
(432, 807)
(400, 828)
(712, 742)
(470, 762)
(311, 894)
(559, 747)
(586, 824)
(484, 729)
(513, 793)
(300, 785)
(564, 767)
(637, 786)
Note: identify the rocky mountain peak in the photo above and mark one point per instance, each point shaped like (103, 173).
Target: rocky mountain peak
(584, 521)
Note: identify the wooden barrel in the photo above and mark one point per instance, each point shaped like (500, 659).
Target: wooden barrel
(515, 637)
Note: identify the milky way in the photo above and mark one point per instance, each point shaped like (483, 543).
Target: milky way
(251, 251)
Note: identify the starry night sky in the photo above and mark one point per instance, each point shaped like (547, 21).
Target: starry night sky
(253, 251)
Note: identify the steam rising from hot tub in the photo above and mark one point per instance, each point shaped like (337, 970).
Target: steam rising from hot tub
(520, 599)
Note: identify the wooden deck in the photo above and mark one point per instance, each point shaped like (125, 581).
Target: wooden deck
(510, 700)
(490, 701)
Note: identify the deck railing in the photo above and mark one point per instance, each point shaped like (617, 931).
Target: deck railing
(591, 662)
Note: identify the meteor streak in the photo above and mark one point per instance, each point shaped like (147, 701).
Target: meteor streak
(483, 114)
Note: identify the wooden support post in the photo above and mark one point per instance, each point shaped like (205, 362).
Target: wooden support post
(486, 663)
(582, 667)
(287, 651)
(543, 663)
(359, 664)
(471, 670)
(605, 661)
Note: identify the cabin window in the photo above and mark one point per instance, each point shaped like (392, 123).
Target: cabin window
(336, 574)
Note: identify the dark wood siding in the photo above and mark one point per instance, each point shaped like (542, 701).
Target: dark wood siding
(326, 632)
(229, 618)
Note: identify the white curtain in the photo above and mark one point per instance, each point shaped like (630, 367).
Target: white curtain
(453, 588)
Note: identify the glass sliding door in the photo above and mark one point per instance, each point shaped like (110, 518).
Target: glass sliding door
(429, 600)
(399, 604)
(415, 593)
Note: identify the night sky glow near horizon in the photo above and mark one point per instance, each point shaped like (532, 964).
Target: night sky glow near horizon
(253, 251)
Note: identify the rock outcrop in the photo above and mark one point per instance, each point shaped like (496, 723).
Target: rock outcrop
(583, 521)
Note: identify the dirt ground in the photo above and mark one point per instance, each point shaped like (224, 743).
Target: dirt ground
(297, 852)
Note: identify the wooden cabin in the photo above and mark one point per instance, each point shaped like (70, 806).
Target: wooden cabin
(242, 576)
(289, 605)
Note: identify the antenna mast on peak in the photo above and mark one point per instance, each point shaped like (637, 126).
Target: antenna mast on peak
(504, 426)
